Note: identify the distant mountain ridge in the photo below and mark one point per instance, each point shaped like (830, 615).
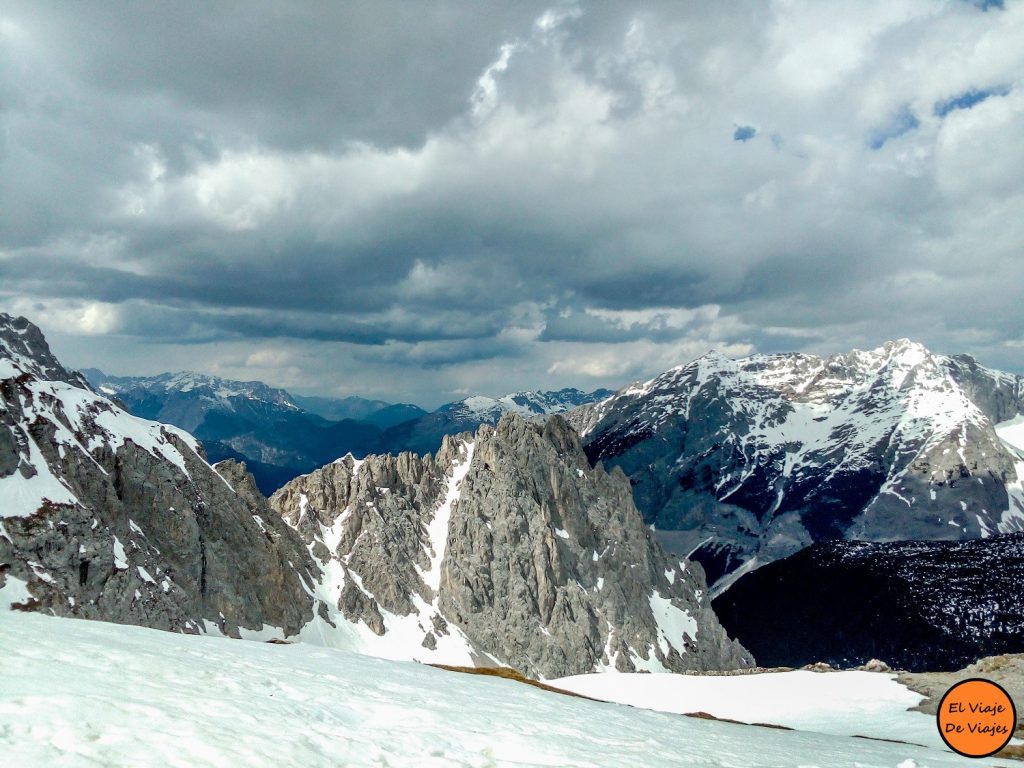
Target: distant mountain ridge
(185, 397)
(243, 420)
(280, 435)
(525, 404)
(379, 412)
(470, 412)
(742, 462)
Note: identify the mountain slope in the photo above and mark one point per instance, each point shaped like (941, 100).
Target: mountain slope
(916, 605)
(522, 552)
(109, 516)
(73, 693)
(746, 461)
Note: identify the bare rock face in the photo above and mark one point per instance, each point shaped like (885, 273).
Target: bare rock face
(107, 516)
(507, 547)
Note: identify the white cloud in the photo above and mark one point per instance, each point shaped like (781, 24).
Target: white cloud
(71, 316)
(589, 172)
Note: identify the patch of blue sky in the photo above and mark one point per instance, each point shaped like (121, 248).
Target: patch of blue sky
(744, 133)
(968, 99)
(902, 122)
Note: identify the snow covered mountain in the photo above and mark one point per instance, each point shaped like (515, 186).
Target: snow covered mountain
(526, 404)
(108, 516)
(742, 462)
(505, 548)
(244, 420)
(186, 397)
(424, 434)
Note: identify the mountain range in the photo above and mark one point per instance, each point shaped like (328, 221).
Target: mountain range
(504, 548)
(738, 463)
(280, 436)
(871, 492)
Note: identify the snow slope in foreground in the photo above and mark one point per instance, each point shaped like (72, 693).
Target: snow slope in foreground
(74, 692)
(842, 703)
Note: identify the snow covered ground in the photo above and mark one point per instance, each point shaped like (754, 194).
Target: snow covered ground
(1012, 431)
(75, 693)
(841, 703)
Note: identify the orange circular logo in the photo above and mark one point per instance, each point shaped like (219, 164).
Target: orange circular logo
(976, 718)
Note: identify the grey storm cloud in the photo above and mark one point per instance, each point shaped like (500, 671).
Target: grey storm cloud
(410, 200)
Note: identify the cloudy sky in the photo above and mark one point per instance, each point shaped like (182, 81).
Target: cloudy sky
(414, 200)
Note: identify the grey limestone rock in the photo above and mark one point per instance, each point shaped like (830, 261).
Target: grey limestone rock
(509, 542)
(107, 516)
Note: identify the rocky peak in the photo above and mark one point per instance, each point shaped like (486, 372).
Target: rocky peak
(506, 547)
(107, 516)
(23, 346)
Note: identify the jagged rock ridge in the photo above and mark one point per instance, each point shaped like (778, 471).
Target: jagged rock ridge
(742, 462)
(522, 553)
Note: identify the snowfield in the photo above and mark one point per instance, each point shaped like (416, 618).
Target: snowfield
(1012, 432)
(842, 703)
(75, 692)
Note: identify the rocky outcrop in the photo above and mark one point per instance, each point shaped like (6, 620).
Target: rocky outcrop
(506, 547)
(742, 462)
(107, 516)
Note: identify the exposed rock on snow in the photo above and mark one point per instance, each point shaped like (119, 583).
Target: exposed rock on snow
(1006, 670)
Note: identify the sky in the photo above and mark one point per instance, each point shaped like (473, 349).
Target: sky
(417, 201)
